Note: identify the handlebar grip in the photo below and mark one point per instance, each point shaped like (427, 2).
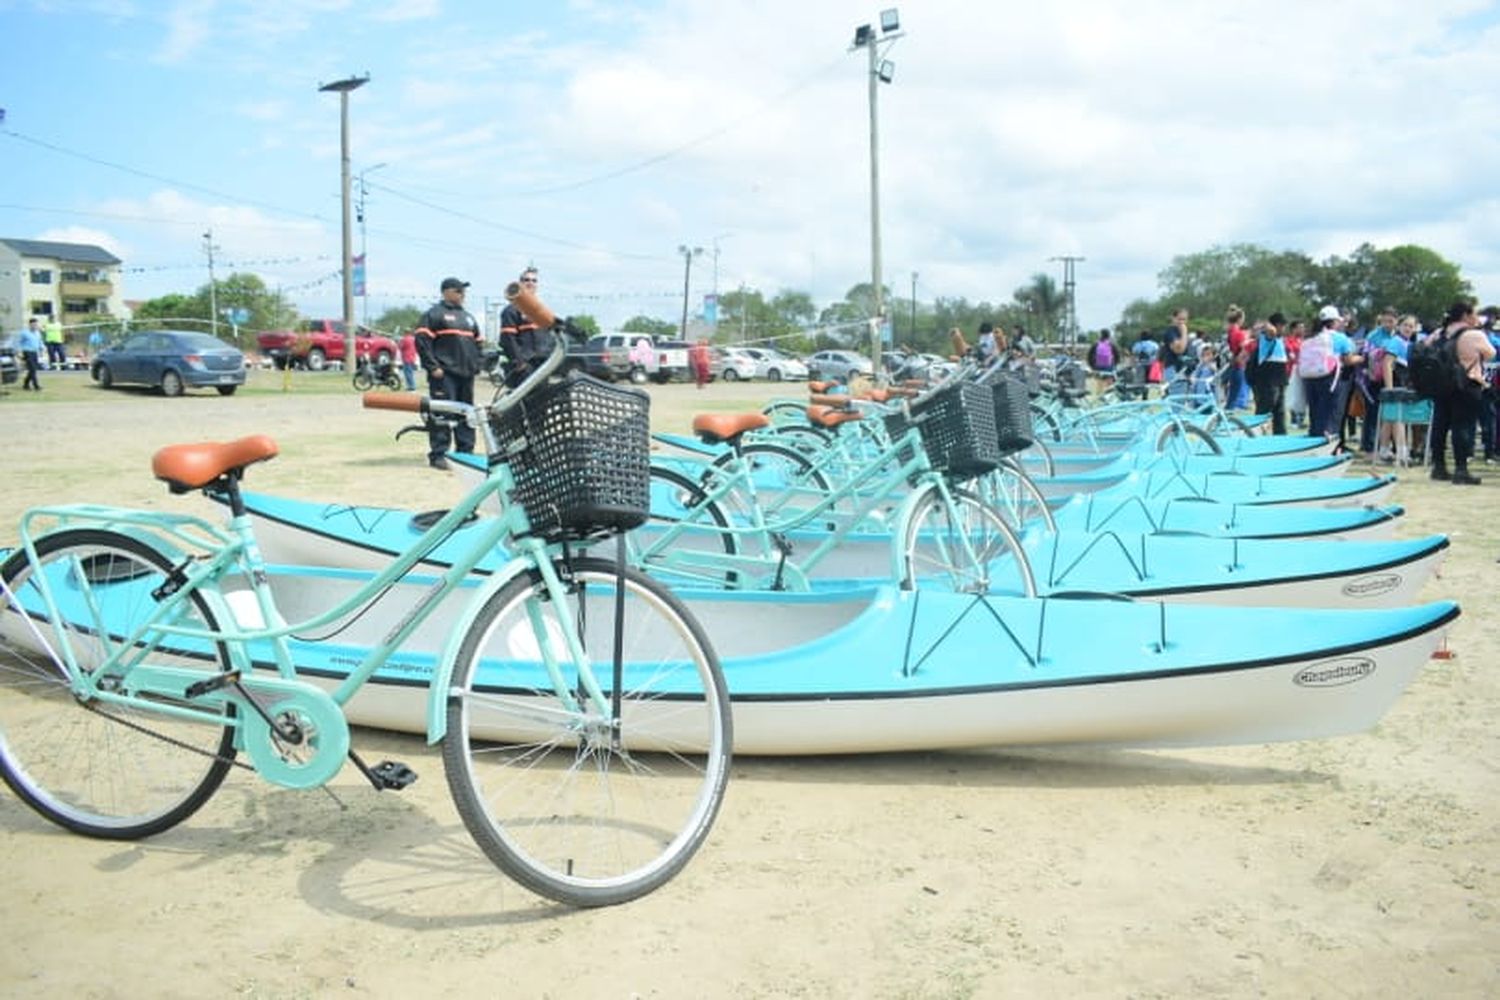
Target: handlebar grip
(531, 307)
(391, 401)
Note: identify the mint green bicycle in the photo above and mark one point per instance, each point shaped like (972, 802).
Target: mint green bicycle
(584, 720)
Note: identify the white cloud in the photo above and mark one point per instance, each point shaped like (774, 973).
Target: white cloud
(188, 25)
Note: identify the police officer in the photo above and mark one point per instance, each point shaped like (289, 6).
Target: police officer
(520, 339)
(448, 340)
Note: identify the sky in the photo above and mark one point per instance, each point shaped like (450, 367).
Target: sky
(593, 139)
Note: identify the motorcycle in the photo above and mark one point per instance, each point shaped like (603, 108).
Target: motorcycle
(370, 374)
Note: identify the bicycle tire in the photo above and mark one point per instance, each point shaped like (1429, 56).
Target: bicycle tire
(775, 467)
(1178, 433)
(676, 498)
(1010, 489)
(785, 411)
(111, 771)
(1045, 423)
(570, 809)
(931, 543)
(805, 438)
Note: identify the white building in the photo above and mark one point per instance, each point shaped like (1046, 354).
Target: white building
(62, 281)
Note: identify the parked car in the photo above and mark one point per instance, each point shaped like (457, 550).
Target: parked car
(773, 366)
(838, 365)
(903, 365)
(10, 368)
(316, 342)
(171, 360)
(733, 364)
(609, 356)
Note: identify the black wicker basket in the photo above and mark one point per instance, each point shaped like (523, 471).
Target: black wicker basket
(1013, 430)
(580, 453)
(1073, 378)
(957, 426)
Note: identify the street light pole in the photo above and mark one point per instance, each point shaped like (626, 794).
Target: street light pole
(364, 254)
(342, 88)
(914, 307)
(688, 253)
(213, 285)
(880, 71)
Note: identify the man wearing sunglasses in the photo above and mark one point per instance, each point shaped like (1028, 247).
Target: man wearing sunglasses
(520, 339)
(448, 340)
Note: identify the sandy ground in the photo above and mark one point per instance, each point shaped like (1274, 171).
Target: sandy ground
(1359, 867)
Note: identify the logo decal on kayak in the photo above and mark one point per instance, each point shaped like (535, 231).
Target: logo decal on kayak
(1335, 672)
(1373, 585)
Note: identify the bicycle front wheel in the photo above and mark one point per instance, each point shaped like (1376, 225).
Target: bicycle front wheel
(575, 805)
(105, 770)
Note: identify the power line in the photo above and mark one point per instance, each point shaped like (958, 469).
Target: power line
(729, 126)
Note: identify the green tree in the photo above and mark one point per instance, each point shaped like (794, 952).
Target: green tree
(585, 324)
(1044, 304)
(1258, 280)
(173, 311)
(746, 317)
(650, 326)
(398, 320)
(1408, 278)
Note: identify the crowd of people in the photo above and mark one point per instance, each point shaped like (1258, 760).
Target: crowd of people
(1335, 377)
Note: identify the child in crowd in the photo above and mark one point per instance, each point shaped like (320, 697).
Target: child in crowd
(1205, 377)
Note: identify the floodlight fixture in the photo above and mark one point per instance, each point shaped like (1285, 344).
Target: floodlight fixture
(887, 71)
(863, 35)
(889, 21)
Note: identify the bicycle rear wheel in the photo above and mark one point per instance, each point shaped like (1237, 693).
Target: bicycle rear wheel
(958, 543)
(105, 770)
(574, 808)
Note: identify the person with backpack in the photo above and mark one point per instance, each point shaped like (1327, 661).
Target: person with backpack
(1450, 368)
(1318, 364)
(1102, 355)
(1266, 369)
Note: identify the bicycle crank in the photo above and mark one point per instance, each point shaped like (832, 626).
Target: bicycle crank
(310, 739)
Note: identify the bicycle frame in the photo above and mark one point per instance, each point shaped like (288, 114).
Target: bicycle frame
(736, 477)
(233, 552)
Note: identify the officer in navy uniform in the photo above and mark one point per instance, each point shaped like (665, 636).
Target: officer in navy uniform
(448, 348)
(520, 339)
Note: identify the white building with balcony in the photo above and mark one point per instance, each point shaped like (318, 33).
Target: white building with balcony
(61, 281)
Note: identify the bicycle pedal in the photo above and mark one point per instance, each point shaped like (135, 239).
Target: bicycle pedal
(392, 775)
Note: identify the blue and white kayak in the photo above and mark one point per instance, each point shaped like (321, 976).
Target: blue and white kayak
(1281, 491)
(1109, 512)
(1115, 561)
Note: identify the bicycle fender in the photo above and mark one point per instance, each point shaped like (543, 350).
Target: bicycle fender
(442, 675)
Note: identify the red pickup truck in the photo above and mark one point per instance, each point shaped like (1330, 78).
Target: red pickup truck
(316, 342)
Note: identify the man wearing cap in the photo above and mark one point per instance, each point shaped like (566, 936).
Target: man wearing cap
(448, 340)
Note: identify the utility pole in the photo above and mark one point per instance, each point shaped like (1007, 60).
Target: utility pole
(880, 71)
(688, 253)
(342, 88)
(1070, 302)
(213, 288)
